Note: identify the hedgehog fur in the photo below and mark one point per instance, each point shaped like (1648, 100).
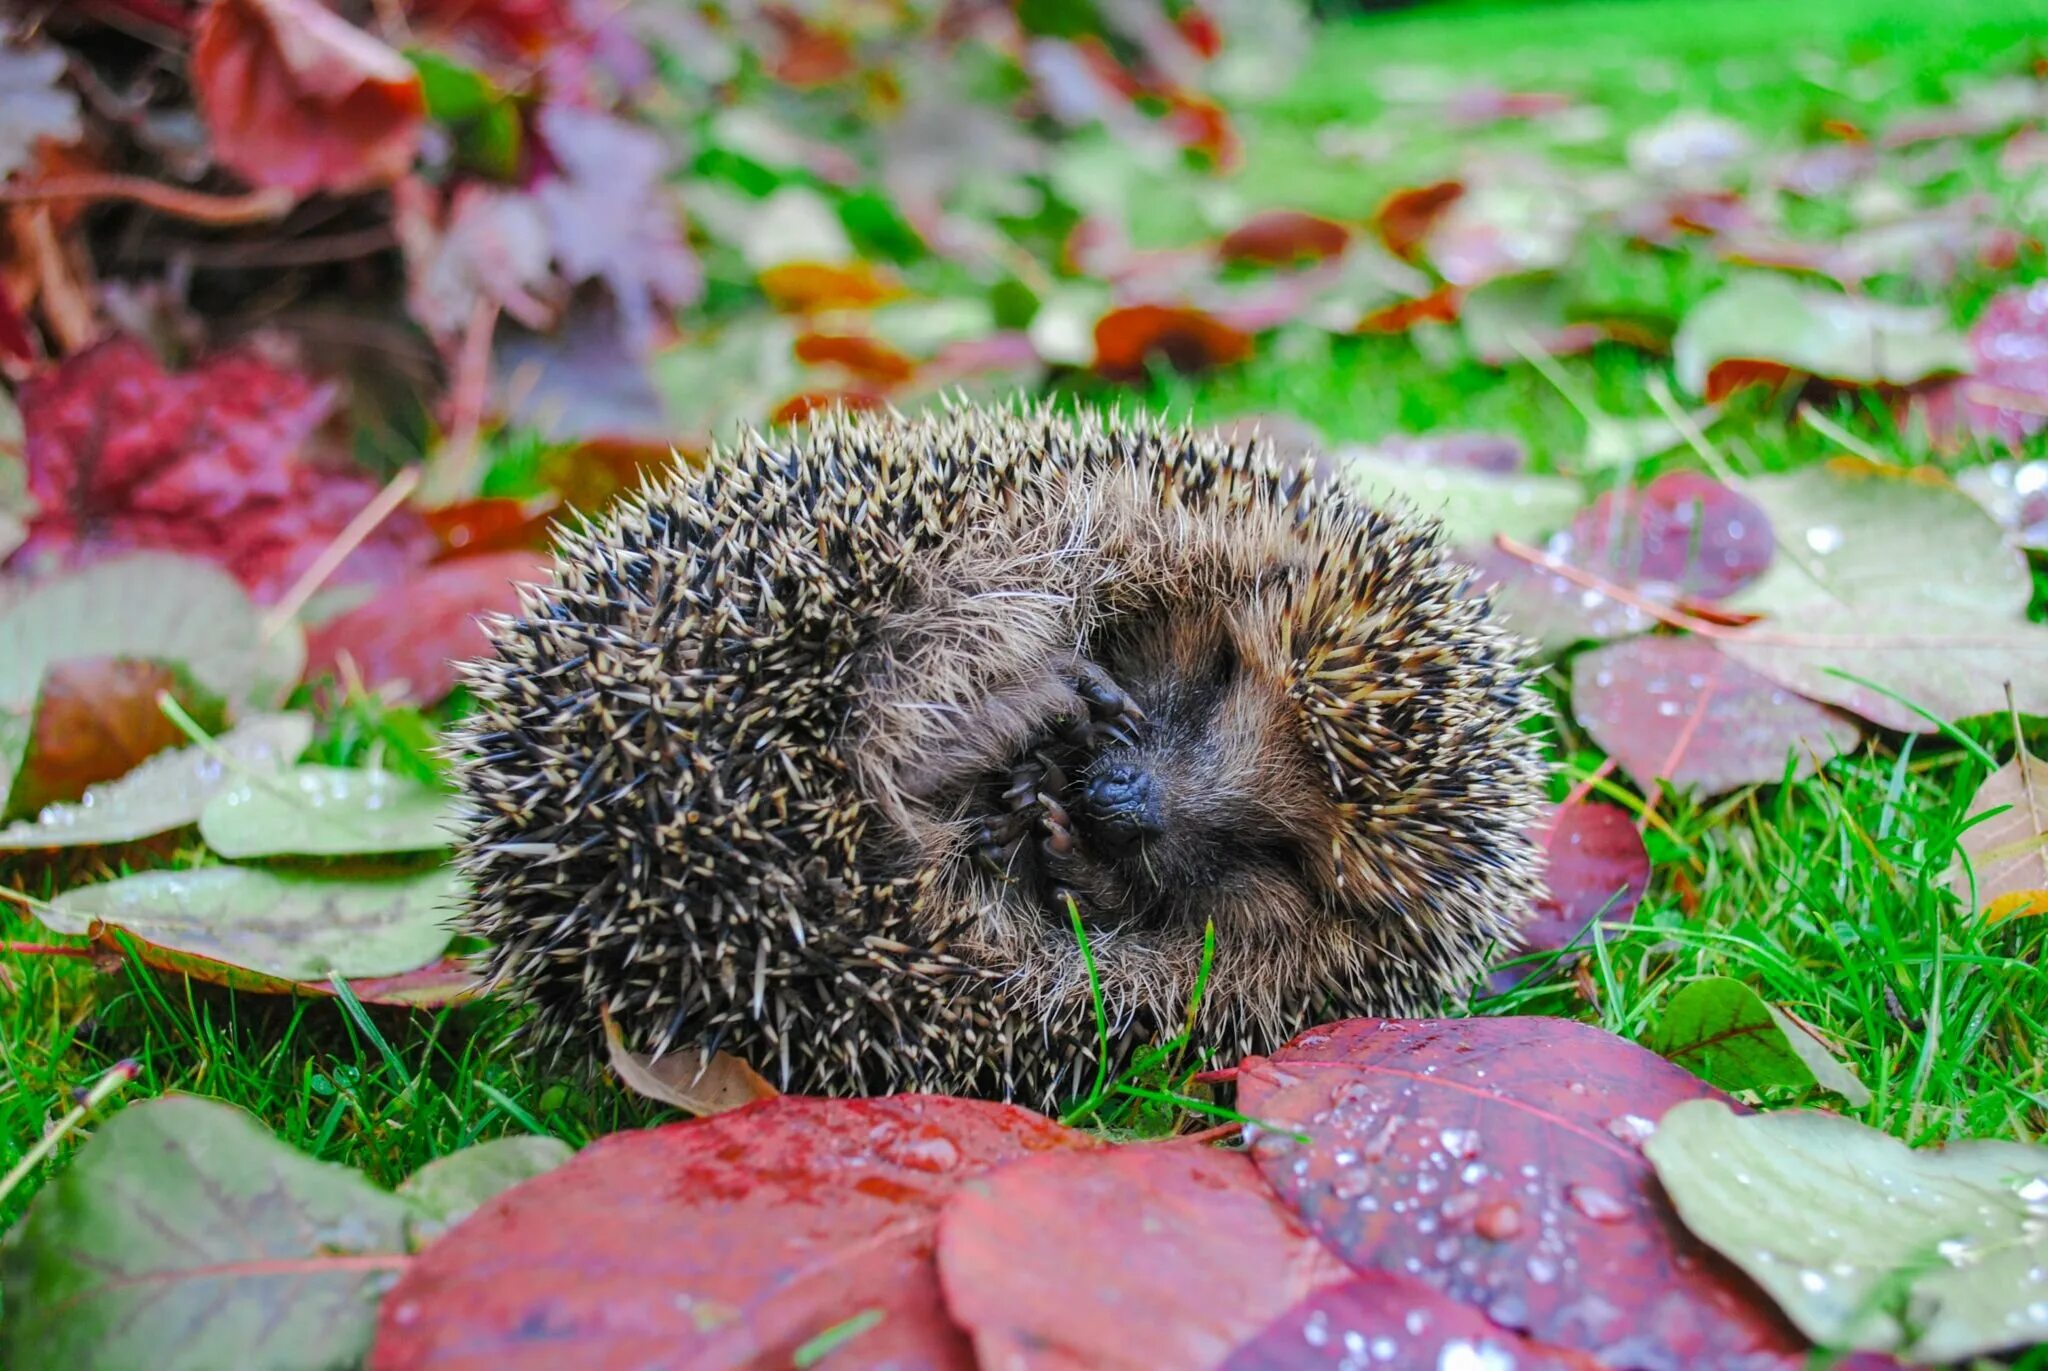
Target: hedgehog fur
(803, 755)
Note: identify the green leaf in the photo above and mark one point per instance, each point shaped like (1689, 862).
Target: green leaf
(1724, 1033)
(296, 927)
(1474, 505)
(326, 811)
(1767, 318)
(447, 1190)
(185, 1238)
(168, 791)
(483, 117)
(1864, 1242)
(1900, 580)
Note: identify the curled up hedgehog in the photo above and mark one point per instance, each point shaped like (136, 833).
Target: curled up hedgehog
(804, 755)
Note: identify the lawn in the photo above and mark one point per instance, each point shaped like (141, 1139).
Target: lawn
(1827, 895)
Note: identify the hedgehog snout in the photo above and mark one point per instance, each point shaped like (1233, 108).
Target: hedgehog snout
(1121, 806)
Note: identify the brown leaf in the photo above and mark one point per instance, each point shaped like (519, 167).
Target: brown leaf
(683, 1078)
(814, 287)
(1127, 339)
(1405, 218)
(1440, 306)
(1282, 237)
(96, 719)
(868, 358)
(296, 97)
(2008, 852)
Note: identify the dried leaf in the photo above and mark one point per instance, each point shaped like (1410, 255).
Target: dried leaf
(2002, 862)
(1284, 237)
(95, 720)
(1127, 340)
(296, 97)
(1760, 328)
(1595, 867)
(681, 1077)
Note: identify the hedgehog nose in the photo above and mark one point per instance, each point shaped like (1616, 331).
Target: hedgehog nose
(1121, 804)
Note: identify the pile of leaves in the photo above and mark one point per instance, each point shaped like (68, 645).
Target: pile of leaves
(1482, 1192)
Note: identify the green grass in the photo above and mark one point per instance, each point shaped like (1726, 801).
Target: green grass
(1826, 895)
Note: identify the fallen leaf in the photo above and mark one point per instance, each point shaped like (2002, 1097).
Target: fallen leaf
(1691, 147)
(866, 358)
(185, 1237)
(210, 462)
(168, 791)
(449, 1189)
(327, 811)
(818, 287)
(1394, 1320)
(2015, 494)
(2001, 864)
(802, 1216)
(1497, 454)
(1977, 111)
(407, 641)
(585, 382)
(1678, 710)
(494, 524)
(96, 719)
(449, 981)
(1052, 1262)
(1761, 327)
(1548, 608)
(1507, 316)
(2005, 398)
(296, 97)
(1865, 1243)
(609, 217)
(1682, 536)
(490, 245)
(1504, 227)
(1405, 218)
(683, 1078)
(289, 926)
(1499, 1161)
(1595, 867)
(1724, 1032)
(1473, 505)
(1127, 340)
(1283, 237)
(1440, 306)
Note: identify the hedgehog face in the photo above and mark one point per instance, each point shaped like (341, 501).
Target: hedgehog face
(1174, 790)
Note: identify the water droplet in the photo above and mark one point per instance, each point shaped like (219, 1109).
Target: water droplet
(1823, 538)
(1498, 1222)
(1316, 1331)
(1812, 1282)
(1459, 1205)
(1596, 1204)
(1460, 1142)
(1542, 1269)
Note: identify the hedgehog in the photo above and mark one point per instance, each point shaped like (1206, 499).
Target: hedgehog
(894, 753)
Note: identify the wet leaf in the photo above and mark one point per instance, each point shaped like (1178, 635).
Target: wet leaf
(1765, 328)
(1724, 1032)
(2002, 864)
(1678, 710)
(1682, 535)
(1395, 1321)
(681, 1076)
(1595, 867)
(296, 97)
(289, 926)
(1052, 1262)
(2005, 399)
(210, 462)
(1474, 505)
(184, 1237)
(449, 1189)
(2016, 495)
(168, 791)
(803, 1215)
(1551, 610)
(1498, 1160)
(1865, 1242)
(1128, 340)
(1900, 579)
(327, 811)
(407, 641)
(96, 719)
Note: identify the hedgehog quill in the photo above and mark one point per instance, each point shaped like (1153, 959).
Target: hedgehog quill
(802, 755)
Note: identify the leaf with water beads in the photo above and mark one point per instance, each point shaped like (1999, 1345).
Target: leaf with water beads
(1938, 1253)
(326, 811)
(1499, 1161)
(1386, 1320)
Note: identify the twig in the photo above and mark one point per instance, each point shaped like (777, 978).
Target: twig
(199, 207)
(456, 461)
(1835, 433)
(335, 553)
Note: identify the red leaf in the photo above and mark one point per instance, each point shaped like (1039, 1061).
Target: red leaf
(1681, 710)
(1724, 378)
(1477, 105)
(1377, 1319)
(728, 1241)
(1055, 1261)
(1405, 218)
(802, 406)
(296, 97)
(1189, 339)
(809, 56)
(412, 635)
(1499, 1160)
(1682, 534)
(2006, 398)
(493, 525)
(525, 27)
(124, 456)
(868, 358)
(1281, 237)
(1595, 867)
